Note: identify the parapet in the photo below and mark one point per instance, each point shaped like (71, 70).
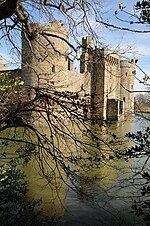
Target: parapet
(55, 27)
(126, 63)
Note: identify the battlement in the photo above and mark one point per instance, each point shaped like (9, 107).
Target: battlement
(55, 27)
(87, 42)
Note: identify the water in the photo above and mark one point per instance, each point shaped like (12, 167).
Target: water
(114, 195)
(106, 199)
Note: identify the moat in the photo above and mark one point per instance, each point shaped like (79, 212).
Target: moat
(111, 193)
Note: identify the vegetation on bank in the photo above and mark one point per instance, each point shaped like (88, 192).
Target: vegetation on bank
(142, 103)
(15, 209)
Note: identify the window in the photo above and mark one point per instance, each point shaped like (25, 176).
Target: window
(126, 74)
(124, 99)
(69, 66)
(53, 68)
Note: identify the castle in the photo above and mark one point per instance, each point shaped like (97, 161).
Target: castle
(107, 80)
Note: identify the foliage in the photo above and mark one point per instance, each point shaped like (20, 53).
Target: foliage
(142, 146)
(8, 84)
(72, 144)
(15, 209)
(140, 15)
(10, 89)
(143, 8)
(141, 150)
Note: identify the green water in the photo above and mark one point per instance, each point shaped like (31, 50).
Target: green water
(106, 197)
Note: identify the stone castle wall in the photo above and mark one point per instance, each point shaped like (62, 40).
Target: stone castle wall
(105, 78)
(111, 82)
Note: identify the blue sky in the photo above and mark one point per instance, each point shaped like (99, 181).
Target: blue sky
(137, 44)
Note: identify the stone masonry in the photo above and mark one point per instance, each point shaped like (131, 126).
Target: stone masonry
(107, 80)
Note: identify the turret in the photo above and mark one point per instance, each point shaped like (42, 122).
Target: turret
(127, 85)
(85, 63)
(44, 57)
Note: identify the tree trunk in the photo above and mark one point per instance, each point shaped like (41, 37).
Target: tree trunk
(7, 8)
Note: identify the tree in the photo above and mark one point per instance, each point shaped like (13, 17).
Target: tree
(7, 8)
(140, 101)
(19, 113)
(140, 139)
(21, 109)
(140, 150)
(138, 16)
(14, 207)
(143, 7)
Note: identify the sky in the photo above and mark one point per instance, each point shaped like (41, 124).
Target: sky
(136, 43)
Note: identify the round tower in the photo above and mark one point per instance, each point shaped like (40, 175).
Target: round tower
(44, 56)
(127, 85)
